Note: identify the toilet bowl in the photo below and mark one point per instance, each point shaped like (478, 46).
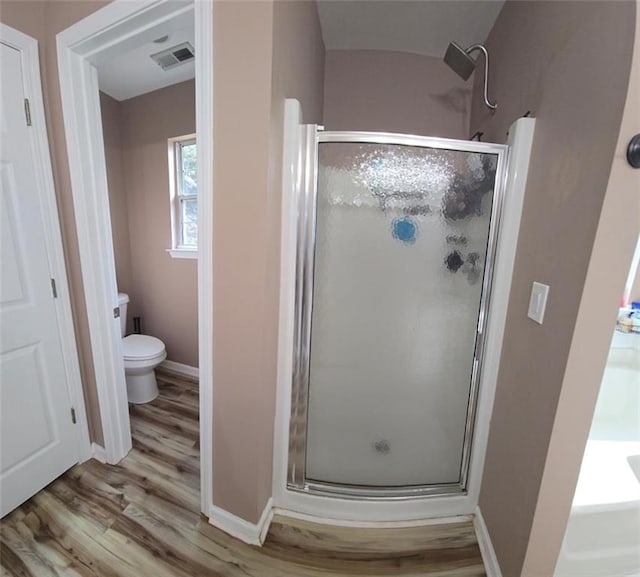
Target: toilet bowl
(141, 355)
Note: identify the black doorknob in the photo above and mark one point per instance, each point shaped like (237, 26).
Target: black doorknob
(633, 151)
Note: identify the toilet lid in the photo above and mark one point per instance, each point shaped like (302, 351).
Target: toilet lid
(141, 347)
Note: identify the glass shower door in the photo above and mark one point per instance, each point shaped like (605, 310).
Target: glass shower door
(402, 249)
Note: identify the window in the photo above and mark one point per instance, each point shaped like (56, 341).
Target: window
(183, 173)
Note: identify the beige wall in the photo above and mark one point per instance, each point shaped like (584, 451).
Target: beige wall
(634, 293)
(240, 238)
(378, 90)
(163, 290)
(248, 104)
(568, 63)
(298, 72)
(112, 134)
(613, 248)
(43, 20)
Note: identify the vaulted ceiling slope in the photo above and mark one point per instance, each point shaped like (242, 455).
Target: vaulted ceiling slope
(418, 26)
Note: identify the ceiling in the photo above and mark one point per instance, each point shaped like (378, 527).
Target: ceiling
(132, 72)
(418, 26)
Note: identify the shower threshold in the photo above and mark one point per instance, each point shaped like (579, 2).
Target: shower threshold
(364, 493)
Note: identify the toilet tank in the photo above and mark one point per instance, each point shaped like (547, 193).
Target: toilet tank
(123, 300)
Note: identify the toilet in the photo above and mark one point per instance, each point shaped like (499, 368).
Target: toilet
(142, 354)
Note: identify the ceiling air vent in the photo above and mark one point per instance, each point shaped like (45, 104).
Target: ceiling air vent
(175, 56)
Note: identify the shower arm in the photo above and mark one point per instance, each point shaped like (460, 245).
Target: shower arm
(482, 49)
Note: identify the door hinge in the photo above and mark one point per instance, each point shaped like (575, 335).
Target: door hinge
(54, 290)
(116, 313)
(27, 111)
(73, 415)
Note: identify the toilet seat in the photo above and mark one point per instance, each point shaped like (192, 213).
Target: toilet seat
(141, 347)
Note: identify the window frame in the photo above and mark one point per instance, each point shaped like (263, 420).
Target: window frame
(178, 248)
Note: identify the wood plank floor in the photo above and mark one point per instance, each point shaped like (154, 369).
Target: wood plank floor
(141, 518)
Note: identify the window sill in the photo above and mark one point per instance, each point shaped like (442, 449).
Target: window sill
(183, 253)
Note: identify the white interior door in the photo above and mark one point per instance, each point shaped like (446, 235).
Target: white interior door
(38, 438)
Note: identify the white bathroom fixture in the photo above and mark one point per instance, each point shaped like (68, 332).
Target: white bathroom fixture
(142, 354)
(371, 507)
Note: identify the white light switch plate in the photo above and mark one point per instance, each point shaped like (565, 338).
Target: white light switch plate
(538, 301)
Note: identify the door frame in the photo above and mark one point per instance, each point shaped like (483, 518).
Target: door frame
(88, 40)
(611, 258)
(32, 87)
(306, 251)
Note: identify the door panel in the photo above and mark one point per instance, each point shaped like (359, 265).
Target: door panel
(38, 438)
(401, 248)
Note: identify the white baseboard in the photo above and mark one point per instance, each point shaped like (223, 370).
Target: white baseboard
(265, 520)
(251, 533)
(487, 551)
(181, 369)
(98, 452)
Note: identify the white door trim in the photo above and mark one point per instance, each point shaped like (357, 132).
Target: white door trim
(420, 509)
(489, 557)
(28, 47)
(110, 29)
(204, 132)
(83, 130)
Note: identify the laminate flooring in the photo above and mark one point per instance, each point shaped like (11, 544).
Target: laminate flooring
(141, 518)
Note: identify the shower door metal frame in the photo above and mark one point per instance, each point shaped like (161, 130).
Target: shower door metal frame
(311, 137)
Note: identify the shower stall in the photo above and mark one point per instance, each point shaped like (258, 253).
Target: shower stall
(395, 240)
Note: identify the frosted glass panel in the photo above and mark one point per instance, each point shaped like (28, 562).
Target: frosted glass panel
(401, 243)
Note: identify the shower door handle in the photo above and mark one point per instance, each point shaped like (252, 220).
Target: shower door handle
(479, 346)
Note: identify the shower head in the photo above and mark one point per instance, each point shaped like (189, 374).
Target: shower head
(460, 61)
